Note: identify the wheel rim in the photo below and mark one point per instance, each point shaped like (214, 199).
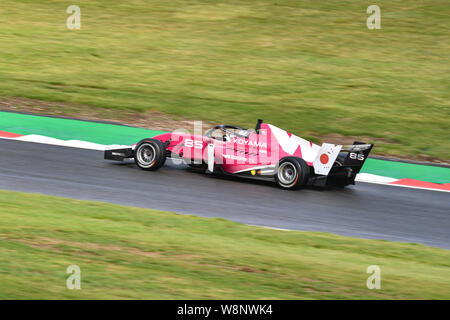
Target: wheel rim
(287, 173)
(146, 155)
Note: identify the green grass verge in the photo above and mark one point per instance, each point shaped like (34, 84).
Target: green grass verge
(126, 252)
(308, 66)
(68, 129)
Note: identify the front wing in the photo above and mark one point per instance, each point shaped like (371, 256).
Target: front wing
(118, 154)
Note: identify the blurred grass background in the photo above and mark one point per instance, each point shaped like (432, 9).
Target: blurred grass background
(311, 67)
(131, 253)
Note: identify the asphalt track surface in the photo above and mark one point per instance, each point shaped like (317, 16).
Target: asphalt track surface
(365, 210)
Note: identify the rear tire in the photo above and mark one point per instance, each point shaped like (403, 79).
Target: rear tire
(150, 154)
(292, 173)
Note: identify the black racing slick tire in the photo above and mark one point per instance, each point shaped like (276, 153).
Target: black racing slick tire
(150, 154)
(292, 173)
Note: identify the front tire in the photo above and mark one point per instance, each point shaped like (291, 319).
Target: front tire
(292, 173)
(150, 154)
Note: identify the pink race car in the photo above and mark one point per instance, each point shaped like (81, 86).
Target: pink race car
(267, 152)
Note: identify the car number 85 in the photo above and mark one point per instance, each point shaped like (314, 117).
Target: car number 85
(356, 156)
(191, 143)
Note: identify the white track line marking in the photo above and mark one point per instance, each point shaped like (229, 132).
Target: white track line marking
(66, 143)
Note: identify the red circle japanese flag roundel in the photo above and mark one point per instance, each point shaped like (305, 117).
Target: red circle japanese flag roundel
(324, 158)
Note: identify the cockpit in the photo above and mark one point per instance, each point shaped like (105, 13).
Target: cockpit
(224, 132)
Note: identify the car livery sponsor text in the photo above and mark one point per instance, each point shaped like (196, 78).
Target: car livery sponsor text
(251, 143)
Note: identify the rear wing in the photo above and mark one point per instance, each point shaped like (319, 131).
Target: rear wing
(331, 155)
(355, 155)
(357, 147)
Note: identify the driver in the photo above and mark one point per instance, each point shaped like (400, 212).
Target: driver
(228, 135)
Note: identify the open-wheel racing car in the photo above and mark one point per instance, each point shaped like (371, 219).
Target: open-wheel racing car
(267, 152)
